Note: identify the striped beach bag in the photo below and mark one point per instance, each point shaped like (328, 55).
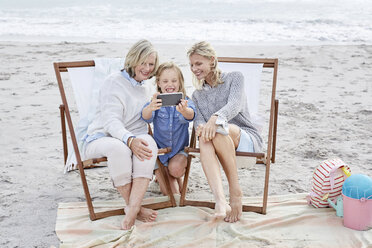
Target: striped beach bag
(327, 182)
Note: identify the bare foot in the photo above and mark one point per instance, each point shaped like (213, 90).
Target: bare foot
(147, 215)
(221, 210)
(236, 209)
(130, 217)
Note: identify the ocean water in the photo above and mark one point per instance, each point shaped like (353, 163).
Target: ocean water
(229, 21)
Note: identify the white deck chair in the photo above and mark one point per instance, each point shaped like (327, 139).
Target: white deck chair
(86, 78)
(252, 70)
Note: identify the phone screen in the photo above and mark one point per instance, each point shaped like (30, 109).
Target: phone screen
(170, 99)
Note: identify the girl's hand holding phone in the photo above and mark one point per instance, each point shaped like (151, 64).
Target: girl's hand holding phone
(185, 110)
(182, 106)
(155, 103)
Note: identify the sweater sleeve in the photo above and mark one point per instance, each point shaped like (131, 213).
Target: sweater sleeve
(235, 95)
(112, 110)
(198, 118)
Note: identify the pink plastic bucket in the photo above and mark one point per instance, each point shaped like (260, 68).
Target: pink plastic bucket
(357, 213)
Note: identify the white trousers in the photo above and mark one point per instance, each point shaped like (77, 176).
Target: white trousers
(123, 165)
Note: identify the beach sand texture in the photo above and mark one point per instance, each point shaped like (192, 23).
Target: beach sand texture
(325, 111)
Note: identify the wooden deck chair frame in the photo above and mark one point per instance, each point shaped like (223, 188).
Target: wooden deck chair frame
(65, 116)
(261, 158)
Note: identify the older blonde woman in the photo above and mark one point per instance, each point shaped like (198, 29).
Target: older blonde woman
(118, 133)
(223, 126)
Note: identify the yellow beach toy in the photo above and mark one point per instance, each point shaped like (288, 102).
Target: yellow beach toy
(346, 171)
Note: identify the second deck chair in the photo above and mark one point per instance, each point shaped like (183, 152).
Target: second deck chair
(251, 69)
(83, 77)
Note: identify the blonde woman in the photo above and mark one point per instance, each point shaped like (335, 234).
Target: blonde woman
(223, 126)
(118, 133)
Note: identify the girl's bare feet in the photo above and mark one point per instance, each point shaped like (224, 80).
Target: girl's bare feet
(236, 209)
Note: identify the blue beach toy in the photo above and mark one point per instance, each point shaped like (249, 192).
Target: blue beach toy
(357, 199)
(357, 186)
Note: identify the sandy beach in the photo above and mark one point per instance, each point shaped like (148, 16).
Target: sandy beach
(325, 111)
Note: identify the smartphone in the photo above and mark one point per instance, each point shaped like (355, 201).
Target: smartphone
(170, 99)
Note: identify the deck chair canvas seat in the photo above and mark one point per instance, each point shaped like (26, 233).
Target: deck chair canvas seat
(86, 78)
(252, 70)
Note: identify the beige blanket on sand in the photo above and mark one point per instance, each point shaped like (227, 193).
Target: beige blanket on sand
(289, 222)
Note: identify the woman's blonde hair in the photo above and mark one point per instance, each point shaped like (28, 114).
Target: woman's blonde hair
(205, 49)
(138, 54)
(168, 66)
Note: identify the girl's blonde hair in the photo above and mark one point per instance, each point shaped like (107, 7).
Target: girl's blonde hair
(168, 66)
(205, 49)
(138, 54)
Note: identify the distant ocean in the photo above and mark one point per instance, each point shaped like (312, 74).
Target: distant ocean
(229, 21)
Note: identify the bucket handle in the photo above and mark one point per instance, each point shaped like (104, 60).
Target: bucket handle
(363, 199)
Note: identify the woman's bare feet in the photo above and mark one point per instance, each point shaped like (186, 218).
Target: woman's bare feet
(236, 209)
(221, 210)
(130, 217)
(133, 213)
(147, 215)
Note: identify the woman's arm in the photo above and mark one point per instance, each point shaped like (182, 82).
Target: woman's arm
(199, 118)
(200, 124)
(230, 110)
(235, 97)
(112, 108)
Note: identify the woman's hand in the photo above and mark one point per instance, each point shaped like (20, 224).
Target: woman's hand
(140, 149)
(207, 131)
(199, 130)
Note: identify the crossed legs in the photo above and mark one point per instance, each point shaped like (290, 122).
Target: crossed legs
(133, 194)
(224, 147)
(130, 175)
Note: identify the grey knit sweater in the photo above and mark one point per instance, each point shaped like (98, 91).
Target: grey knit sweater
(227, 100)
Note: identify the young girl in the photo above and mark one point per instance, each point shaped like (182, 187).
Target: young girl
(171, 125)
